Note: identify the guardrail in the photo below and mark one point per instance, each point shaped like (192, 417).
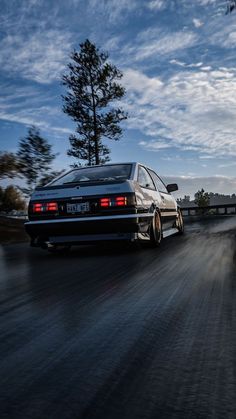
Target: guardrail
(221, 209)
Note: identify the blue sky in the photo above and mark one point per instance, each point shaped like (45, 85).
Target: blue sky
(179, 64)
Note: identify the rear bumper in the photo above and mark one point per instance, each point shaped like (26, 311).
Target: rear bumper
(87, 229)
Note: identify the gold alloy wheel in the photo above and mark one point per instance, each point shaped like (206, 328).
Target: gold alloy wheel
(180, 222)
(156, 230)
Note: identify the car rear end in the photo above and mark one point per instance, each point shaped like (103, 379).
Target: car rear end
(85, 211)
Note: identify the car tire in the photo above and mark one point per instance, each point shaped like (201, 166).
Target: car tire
(155, 230)
(179, 224)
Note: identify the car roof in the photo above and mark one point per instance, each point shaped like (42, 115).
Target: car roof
(107, 164)
(112, 164)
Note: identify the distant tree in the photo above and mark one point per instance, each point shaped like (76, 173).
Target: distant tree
(202, 198)
(231, 6)
(8, 165)
(11, 199)
(34, 158)
(184, 201)
(92, 87)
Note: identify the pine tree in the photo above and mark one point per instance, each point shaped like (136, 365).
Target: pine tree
(92, 87)
(202, 198)
(8, 165)
(34, 158)
(231, 6)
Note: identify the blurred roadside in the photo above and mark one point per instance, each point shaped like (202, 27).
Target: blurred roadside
(12, 229)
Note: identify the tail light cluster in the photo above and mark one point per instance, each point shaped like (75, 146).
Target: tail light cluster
(45, 207)
(117, 201)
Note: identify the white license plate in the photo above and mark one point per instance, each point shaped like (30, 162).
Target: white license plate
(83, 207)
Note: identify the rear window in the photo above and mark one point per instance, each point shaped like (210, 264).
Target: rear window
(118, 172)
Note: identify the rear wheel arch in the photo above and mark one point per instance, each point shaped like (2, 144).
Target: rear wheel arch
(179, 221)
(156, 229)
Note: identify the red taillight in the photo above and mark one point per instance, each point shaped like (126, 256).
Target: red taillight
(45, 206)
(51, 206)
(105, 202)
(121, 201)
(37, 207)
(118, 201)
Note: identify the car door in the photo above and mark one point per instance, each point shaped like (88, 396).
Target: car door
(169, 206)
(146, 193)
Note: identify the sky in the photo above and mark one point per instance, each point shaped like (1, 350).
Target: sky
(178, 60)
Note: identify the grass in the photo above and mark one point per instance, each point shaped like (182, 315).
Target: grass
(12, 231)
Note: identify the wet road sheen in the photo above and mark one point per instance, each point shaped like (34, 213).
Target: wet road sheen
(120, 333)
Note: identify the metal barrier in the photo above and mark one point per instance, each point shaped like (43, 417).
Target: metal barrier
(221, 209)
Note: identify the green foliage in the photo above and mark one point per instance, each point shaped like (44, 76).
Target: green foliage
(34, 158)
(8, 165)
(92, 87)
(202, 198)
(10, 199)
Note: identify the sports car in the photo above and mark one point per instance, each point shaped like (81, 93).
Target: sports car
(112, 202)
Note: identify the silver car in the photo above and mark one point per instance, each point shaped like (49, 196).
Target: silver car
(123, 201)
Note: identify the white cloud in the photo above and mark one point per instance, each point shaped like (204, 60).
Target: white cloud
(112, 44)
(40, 57)
(154, 145)
(207, 68)
(229, 164)
(221, 32)
(156, 5)
(207, 157)
(182, 64)
(113, 10)
(197, 23)
(139, 82)
(28, 106)
(33, 119)
(155, 43)
(191, 110)
(206, 2)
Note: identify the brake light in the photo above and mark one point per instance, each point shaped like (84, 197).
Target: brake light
(37, 207)
(45, 207)
(105, 202)
(118, 201)
(121, 201)
(51, 206)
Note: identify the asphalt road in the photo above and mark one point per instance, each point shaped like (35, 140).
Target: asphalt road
(117, 333)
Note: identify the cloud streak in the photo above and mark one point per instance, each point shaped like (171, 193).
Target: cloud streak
(40, 57)
(29, 106)
(193, 110)
(153, 43)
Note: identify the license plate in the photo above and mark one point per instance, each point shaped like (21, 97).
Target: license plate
(83, 207)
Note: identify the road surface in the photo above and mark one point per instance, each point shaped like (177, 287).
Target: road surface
(115, 333)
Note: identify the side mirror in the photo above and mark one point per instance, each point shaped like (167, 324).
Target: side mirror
(172, 187)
